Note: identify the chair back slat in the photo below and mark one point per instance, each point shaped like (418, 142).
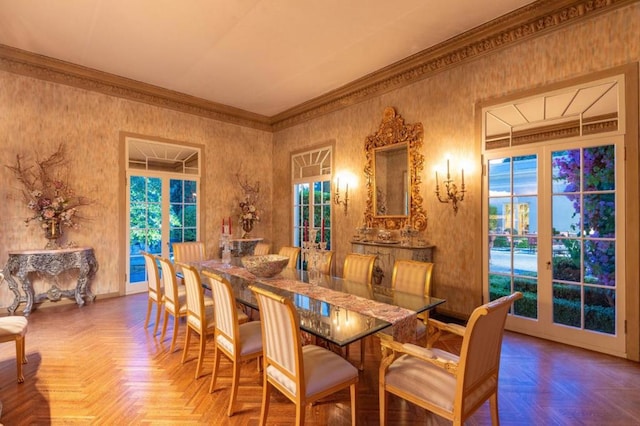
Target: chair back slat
(262, 249)
(482, 343)
(225, 312)
(281, 335)
(152, 274)
(170, 282)
(186, 252)
(195, 298)
(411, 276)
(359, 267)
(292, 253)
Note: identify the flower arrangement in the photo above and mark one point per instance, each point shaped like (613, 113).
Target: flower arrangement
(249, 213)
(46, 194)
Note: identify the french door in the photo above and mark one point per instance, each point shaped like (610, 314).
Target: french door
(162, 210)
(554, 222)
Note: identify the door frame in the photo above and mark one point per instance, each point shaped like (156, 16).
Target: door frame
(630, 130)
(123, 220)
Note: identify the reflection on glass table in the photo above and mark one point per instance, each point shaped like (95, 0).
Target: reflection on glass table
(321, 304)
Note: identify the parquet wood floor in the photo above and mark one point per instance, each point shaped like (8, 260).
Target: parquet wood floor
(98, 365)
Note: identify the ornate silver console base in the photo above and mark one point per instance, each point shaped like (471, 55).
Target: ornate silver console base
(52, 263)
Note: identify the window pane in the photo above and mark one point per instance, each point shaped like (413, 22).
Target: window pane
(599, 218)
(499, 214)
(600, 262)
(566, 259)
(566, 215)
(528, 305)
(175, 191)
(190, 191)
(190, 215)
(525, 178)
(566, 171)
(566, 304)
(599, 310)
(500, 176)
(599, 168)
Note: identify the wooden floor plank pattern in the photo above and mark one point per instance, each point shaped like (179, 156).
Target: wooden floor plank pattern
(98, 365)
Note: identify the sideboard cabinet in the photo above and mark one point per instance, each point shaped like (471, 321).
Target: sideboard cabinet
(388, 254)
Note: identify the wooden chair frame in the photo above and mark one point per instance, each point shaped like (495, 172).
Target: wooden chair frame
(299, 397)
(484, 367)
(14, 328)
(156, 296)
(223, 295)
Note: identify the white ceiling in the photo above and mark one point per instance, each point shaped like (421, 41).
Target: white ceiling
(262, 56)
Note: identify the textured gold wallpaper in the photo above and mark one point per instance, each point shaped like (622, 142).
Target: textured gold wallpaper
(445, 104)
(38, 114)
(35, 116)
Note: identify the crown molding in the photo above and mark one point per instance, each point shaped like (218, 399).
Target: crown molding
(45, 68)
(522, 24)
(530, 21)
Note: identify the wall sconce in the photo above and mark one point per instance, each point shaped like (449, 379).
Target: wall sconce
(451, 193)
(337, 199)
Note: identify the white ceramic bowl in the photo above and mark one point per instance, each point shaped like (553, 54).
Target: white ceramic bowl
(265, 266)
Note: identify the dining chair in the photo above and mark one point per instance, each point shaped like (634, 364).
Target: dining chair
(191, 251)
(450, 386)
(156, 296)
(186, 252)
(293, 253)
(200, 316)
(14, 328)
(414, 277)
(359, 267)
(262, 249)
(175, 300)
(238, 342)
(303, 374)
(327, 262)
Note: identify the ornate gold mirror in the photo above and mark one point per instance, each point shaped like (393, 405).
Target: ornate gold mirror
(393, 171)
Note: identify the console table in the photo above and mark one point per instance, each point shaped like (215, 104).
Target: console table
(388, 254)
(242, 246)
(50, 262)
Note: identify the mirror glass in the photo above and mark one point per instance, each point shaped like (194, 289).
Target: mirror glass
(393, 168)
(391, 180)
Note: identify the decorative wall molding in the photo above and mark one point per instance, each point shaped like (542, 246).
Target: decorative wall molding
(525, 23)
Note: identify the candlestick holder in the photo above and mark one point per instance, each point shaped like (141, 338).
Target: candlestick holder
(225, 243)
(451, 194)
(407, 234)
(313, 253)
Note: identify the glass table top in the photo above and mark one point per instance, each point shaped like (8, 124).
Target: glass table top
(331, 308)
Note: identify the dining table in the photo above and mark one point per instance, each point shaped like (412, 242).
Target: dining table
(331, 308)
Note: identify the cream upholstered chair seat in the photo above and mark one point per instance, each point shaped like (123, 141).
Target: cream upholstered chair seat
(322, 370)
(293, 253)
(238, 342)
(451, 386)
(302, 374)
(156, 296)
(14, 328)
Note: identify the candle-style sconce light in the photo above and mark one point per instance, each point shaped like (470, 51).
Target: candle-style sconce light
(451, 193)
(342, 200)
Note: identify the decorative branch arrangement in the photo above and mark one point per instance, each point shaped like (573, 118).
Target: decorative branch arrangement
(47, 193)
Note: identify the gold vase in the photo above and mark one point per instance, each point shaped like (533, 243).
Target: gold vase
(247, 227)
(52, 232)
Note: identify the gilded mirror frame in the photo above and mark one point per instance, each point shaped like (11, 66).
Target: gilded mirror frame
(393, 131)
